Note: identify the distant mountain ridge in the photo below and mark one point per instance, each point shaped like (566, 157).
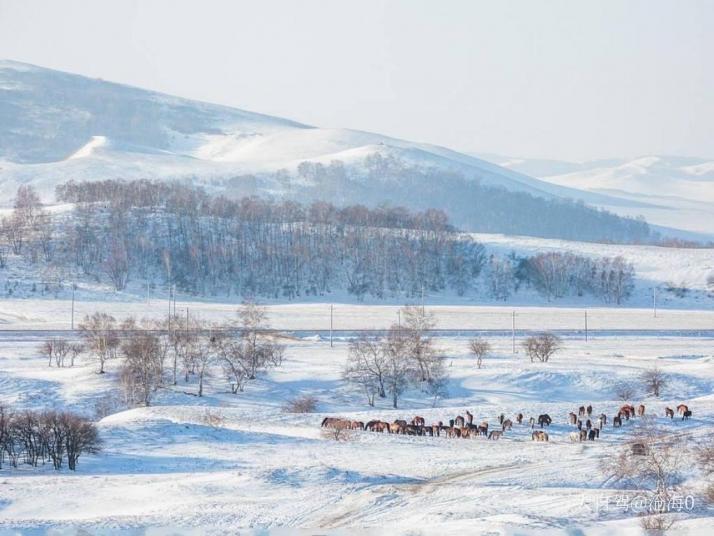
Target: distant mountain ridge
(676, 191)
(56, 126)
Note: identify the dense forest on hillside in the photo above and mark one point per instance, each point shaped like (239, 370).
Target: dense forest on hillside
(172, 234)
(472, 205)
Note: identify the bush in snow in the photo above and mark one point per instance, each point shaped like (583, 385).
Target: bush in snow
(302, 404)
(542, 347)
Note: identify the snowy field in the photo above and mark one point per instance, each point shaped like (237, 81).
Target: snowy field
(226, 463)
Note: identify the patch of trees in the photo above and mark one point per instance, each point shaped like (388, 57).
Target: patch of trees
(471, 203)
(154, 354)
(176, 235)
(38, 437)
(404, 357)
(556, 275)
(254, 247)
(542, 347)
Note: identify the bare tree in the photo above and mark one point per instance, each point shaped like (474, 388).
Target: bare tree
(542, 347)
(117, 263)
(399, 373)
(99, 332)
(479, 348)
(75, 350)
(260, 351)
(142, 366)
(81, 436)
(366, 366)
(204, 357)
(302, 404)
(5, 417)
(417, 324)
(654, 381)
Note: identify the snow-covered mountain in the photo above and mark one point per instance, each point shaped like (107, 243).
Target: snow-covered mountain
(56, 126)
(675, 191)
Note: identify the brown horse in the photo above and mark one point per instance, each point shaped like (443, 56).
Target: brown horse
(572, 418)
(336, 422)
(539, 435)
(495, 434)
(640, 410)
(469, 417)
(589, 410)
(507, 425)
(357, 425)
(519, 418)
(581, 411)
(617, 421)
(686, 415)
(682, 408)
(453, 432)
(418, 421)
(669, 412)
(459, 421)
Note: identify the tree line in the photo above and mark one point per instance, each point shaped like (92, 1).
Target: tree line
(176, 235)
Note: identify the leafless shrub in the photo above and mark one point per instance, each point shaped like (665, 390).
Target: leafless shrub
(657, 524)
(302, 404)
(542, 347)
(337, 434)
(479, 348)
(213, 418)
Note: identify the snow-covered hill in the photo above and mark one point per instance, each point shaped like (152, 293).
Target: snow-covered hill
(673, 191)
(58, 126)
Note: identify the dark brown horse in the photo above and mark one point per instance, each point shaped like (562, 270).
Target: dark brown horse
(669, 412)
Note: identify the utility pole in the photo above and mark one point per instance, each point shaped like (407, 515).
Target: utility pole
(330, 325)
(74, 286)
(513, 330)
(586, 325)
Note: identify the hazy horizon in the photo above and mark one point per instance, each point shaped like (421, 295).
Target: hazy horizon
(565, 82)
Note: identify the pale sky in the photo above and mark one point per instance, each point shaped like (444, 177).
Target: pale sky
(558, 79)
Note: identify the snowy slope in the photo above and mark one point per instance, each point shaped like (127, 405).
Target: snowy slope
(56, 126)
(238, 464)
(674, 191)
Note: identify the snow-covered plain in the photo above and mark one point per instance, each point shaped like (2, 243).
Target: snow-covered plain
(257, 468)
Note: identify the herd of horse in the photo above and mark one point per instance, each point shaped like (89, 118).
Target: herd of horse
(588, 427)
